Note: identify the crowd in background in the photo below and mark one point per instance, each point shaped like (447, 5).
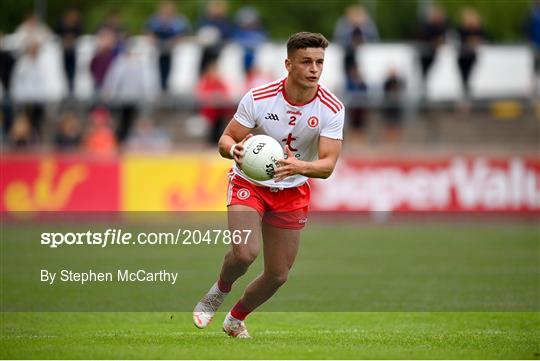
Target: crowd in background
(115, 119)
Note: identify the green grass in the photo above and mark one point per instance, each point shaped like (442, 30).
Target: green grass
(275, 335)
(364, 267)
(391, 270)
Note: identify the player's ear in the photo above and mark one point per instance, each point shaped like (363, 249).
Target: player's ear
(288, 64)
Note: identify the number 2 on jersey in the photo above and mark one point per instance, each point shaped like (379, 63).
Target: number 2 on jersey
(292, 120)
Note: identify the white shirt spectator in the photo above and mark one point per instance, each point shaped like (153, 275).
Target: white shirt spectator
(31, 31)
(28, 79)
(130, 80)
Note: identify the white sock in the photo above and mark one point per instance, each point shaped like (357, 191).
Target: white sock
(215, 289)
(231, 318)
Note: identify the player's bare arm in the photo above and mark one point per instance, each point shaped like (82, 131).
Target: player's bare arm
(231, 143)
(329, 150)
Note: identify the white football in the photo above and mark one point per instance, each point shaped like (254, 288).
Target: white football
(261, 155)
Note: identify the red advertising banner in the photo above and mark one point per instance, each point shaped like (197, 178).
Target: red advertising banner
(58, 183)
(456, 184)
(453, 184)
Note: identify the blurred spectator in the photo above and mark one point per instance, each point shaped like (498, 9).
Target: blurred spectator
(215, 101)
(31, 31)
(100, 138)
(533, 33)
(351, 31)
(113, 22)
(249, 34)
(214, 30)
(350, 60)
(29, 87)
(7, 63)
(216, 16)
(68, 135)
(167, 28)
(103, 57)
(432, 34)
(355, 21)
(126, 86)
(356, 98)
(21, 136)
(471, 34)
(145, 137)
(69, 29)
(393, 105)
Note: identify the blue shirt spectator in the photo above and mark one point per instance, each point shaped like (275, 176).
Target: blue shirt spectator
(165, 29)
(355, 20)
(167, 26)
(249, 34)
(216, 17)
(533, 25)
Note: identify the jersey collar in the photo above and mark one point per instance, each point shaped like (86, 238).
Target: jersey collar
(298, 104)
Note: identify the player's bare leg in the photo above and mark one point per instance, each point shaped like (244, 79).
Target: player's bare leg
(280, 250)
(235, 264)
(241, 256)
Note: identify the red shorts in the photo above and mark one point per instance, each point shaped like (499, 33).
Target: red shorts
(286, 208)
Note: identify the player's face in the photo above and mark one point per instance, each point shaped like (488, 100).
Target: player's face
(305, 66)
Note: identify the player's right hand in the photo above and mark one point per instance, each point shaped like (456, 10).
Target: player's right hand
(238, 152)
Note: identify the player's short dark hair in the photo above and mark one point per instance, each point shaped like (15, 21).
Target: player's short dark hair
(305, 40)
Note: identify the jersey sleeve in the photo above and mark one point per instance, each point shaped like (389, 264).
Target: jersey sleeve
(333, 128)
(245, 114)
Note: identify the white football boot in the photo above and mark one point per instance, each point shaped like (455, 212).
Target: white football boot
(207, 307)
(234, 327)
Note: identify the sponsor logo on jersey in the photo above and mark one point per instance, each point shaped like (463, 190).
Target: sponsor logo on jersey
(243, 194)
(294, 112)
(302, 221)
(313, 122)
(288, 141)
(271, 116)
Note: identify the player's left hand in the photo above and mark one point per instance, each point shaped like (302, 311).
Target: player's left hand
(288, 167)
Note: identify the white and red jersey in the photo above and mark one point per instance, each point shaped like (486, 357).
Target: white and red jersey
(268, 111)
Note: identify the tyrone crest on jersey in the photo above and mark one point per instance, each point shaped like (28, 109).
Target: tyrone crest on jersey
(313, 122)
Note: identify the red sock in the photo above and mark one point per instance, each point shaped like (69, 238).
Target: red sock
(224, 286)
(239, 311)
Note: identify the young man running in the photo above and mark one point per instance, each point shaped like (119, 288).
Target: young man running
(308, 120)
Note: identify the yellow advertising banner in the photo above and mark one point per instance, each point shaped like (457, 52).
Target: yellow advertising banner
(174, 183)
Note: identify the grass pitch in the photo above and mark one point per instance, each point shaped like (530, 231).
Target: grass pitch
(307, 335)
(327, 278)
